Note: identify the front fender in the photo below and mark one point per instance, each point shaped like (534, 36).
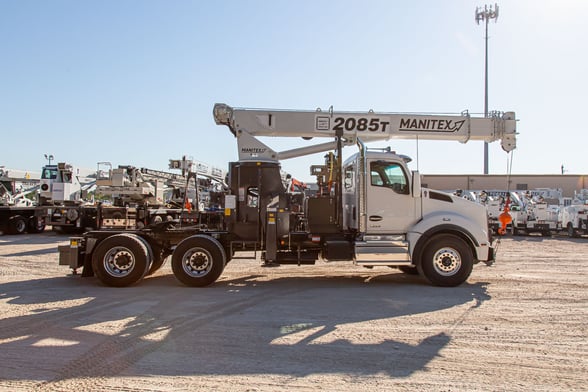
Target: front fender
(449, 222)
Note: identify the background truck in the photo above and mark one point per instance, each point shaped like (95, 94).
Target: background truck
(142, 196)
(63, 198)
(18, 212)
(574, 217)
(369, 209)
(129, 197)
(537, 211)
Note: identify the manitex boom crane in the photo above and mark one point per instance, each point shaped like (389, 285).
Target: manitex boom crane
(367, 126)
(370, 208)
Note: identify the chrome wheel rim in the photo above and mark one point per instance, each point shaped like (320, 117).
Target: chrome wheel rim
(119, 261)
(197, 262)
(447, 261)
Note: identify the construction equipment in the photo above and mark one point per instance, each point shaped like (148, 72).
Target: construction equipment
(574, 217)
(63, 198)
(18, 213)
(130, 197)
(370, 209)
(538, 213)
(143, 196)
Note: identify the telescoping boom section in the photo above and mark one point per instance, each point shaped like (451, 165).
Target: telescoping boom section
(368, 126)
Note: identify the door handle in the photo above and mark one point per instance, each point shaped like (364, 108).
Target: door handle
(375, 218)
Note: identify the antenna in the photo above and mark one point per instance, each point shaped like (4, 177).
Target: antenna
(484, 15)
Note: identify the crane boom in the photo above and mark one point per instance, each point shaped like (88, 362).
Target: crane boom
(368, 126)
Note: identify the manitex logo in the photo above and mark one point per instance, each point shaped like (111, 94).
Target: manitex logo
(253, 150)
(430, 125)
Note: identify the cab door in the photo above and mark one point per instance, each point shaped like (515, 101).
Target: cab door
(391, 208)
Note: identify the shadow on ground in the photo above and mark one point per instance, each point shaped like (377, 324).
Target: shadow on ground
(252, 325)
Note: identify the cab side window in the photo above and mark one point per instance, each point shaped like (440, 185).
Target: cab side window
(389, 175)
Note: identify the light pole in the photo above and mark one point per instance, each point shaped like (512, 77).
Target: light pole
(49, 158)
(484, 15)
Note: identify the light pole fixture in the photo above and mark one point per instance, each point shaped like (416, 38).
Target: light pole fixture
(484, 15)
(49, 158)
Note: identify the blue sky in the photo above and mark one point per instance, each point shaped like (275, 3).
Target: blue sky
(135, 81)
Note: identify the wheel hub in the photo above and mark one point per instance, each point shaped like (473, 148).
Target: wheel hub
(119, 261)
(197, 262)
(123, 260)
(447, 261)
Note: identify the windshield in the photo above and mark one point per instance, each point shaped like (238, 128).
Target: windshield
(49, 173)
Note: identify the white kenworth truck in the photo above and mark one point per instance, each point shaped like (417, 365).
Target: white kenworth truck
(370, 209)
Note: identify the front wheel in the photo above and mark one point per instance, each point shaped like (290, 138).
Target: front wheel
(198, 261)
(121, 260)
(447, 260)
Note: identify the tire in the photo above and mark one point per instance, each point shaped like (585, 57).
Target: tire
(36, 224)
(17, 225)
(447, 260)
(409, 270)
(158, 260)
(572, 233)
(198, 261)
(156, 265)
(121, 260)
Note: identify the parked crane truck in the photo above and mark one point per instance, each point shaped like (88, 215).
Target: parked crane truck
(370, 209)
(574, 217)
(137, 195)
(62, 197)
(18, 213)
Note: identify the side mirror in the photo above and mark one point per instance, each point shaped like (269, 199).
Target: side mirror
(416, 184)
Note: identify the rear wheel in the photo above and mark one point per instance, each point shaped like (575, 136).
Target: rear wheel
(121, 260)
(447, 260)
(158, 260)
(572, 233)
(36, 224)
(18, 224)
(198, 261)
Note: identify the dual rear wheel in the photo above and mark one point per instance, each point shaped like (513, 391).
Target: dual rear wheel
(124, 259)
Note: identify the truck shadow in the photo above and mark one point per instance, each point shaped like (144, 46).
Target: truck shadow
(37, 252)
(47, 237)
(293, 326)
(520, 238)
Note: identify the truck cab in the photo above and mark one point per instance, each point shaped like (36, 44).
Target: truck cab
(390, 205)
(59, 184)
(395, 218)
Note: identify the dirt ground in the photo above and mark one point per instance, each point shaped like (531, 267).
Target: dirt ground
(520, 325)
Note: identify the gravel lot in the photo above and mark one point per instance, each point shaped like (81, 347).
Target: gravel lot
(520, 325)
